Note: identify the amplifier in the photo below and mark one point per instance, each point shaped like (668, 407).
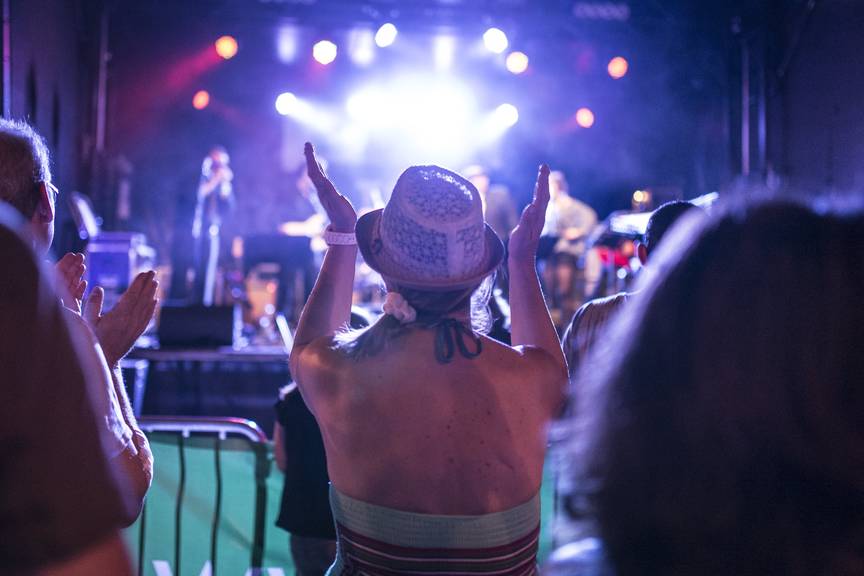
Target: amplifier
(113, 260)
(198, 326)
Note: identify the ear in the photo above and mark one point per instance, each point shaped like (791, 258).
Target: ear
(642, 252)
(45, 208)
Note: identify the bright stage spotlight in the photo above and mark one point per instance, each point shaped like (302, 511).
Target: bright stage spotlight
(226, 47)
(324, 52)
(286, 103)
(286, 43)
(585, 117)
(517, 62)
(386, 35)
(496, 123)
(361, 47)
(444, 51)
(495, 40)
(368, 106)
(617, 67)
(506, 115)
(433, 117)
(201, 99)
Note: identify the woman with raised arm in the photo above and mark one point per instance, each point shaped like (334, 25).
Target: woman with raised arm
(435, 434)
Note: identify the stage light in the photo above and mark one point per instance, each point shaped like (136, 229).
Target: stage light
(324, 52)
(368, 106)
(433, 117)
(517, 62)
(585, 117)
(444, 51)
(201, 100)
(361, 46)
(617, 67)
(495, 40)
(286, 103)
(226, 47)
(386, 35)
(286, 43)
(506, 115)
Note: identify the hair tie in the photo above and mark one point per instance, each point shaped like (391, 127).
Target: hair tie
(395, 305)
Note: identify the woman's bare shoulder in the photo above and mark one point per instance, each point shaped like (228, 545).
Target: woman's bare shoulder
(528, 356)
(529, 365)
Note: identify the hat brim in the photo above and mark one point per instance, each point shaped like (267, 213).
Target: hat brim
(367, 232)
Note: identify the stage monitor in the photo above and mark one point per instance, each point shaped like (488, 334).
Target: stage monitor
(196, 326)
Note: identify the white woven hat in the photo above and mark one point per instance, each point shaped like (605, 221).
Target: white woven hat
(431, 235)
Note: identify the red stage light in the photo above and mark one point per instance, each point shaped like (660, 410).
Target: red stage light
(201, 99)
(226, 47)
(585, 117)
(617, 67)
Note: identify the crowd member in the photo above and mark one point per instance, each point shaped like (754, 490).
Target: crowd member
(582, 337)
(593, 316)
(499, 210)
(60, 505)
(304, 511)
(726, 437)
(568, 223)
(435, 434)
(25, 183)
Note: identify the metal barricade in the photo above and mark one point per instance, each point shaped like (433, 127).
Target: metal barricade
(220, 429)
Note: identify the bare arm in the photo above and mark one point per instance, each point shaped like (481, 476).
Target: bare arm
(329, 306)
(530, 322)
(136, 461)
(117, 332)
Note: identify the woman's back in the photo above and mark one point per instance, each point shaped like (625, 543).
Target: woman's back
(465, 437)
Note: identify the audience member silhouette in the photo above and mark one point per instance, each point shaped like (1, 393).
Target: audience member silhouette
(724, 435)
(61, 506)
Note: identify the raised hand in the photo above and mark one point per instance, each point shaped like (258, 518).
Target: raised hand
(526, 236)
(69, 272)
(118, 329)
(338, 207)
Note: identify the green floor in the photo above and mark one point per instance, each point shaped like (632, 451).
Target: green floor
(234, 539)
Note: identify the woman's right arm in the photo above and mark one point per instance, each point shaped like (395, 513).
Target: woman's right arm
(329, 305)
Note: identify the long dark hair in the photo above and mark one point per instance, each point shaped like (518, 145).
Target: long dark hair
(431, 307)
(724, 432)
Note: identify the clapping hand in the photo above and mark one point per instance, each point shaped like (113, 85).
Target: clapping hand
(339, 209)
(119, 328)
(69, 272)
(526, 236)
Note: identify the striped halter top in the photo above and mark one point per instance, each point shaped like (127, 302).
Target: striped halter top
(378, 541)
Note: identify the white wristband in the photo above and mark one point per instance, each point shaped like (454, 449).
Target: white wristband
(339, 238)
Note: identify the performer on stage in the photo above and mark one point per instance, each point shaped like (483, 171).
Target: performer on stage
(215, 201)
(569, 222)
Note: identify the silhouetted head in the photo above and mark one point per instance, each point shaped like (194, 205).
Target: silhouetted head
(723, 433)
(25, 178)
(659, 223)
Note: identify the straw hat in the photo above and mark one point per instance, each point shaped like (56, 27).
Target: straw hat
(431, 235)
